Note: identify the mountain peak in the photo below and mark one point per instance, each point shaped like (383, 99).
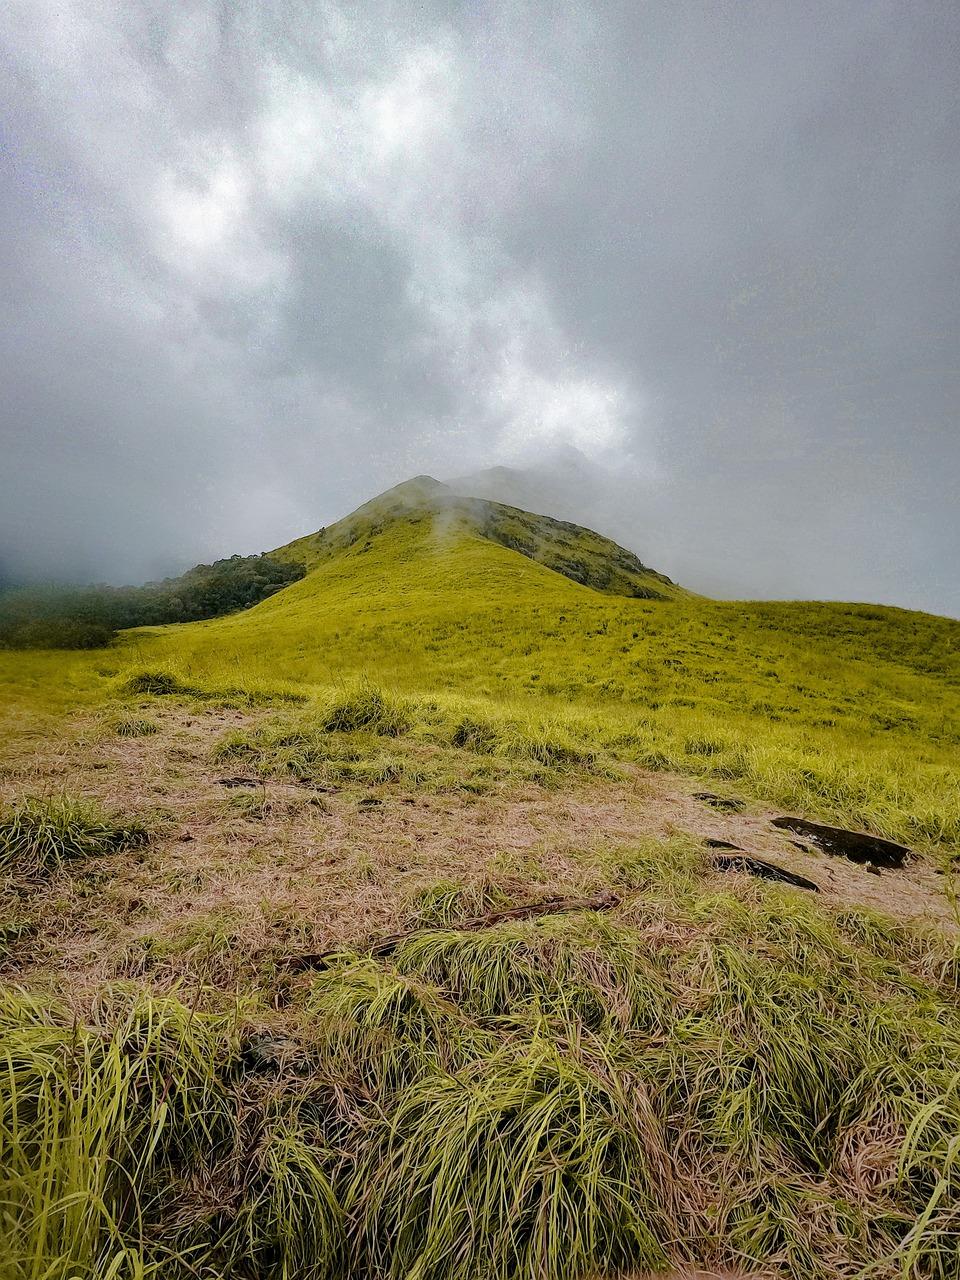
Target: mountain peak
(569, 549)
(418, 485)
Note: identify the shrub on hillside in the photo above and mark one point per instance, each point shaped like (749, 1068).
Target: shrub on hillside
(134, 727)
(475, 734)
(54, 633)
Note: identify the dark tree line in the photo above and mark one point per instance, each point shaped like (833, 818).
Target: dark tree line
(47, 617)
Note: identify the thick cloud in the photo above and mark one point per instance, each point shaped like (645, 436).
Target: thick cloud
(261, 261)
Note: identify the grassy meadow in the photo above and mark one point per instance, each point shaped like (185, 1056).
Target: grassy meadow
(847, 712)
(716, 1072)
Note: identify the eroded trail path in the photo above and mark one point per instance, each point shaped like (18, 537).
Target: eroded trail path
(243, 866)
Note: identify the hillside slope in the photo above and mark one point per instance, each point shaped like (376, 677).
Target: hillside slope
(840, 710)
(849, 712)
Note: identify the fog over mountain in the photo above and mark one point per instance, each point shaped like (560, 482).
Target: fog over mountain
(689, 271)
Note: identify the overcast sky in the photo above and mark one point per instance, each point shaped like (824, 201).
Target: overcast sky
(694, 263)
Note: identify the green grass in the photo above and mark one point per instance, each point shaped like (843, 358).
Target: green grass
(564, 1098)
(129, 726)
(457, 743)
(157, 683)
(577, 553)
(847, 712)
(364, 707)
(364, 735)
(86, 1117)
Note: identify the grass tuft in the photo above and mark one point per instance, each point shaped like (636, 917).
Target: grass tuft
(157, 683)
(134, 727)
(445, 902)
(571, 1097)
(93, 1122)
(523, 1164)
(364, 706)
(40, 835)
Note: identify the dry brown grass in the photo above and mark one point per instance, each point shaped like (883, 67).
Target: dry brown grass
(699, 1274)
(237, 879)
(236, 876)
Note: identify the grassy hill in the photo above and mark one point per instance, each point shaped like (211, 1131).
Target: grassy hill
(846, 711)
(211, 1063)
(577, 553)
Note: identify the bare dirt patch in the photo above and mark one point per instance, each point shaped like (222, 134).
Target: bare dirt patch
(269, 866)
(913, 893)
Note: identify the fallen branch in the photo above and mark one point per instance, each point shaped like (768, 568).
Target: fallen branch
(602, 902)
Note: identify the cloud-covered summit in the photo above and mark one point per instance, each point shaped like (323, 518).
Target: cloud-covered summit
(260, 262)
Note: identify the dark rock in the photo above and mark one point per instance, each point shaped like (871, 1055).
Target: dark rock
(858, 846)
(722, 844)
(728, 804)
(762, 870)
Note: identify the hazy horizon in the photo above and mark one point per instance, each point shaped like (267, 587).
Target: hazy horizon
(693, 273)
